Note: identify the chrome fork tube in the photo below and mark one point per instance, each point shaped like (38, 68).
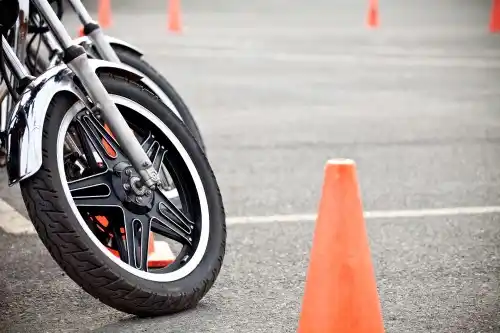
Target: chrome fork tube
(15, 65)
(76, 59)
(102, 45)
(80, 10)
(95, 33)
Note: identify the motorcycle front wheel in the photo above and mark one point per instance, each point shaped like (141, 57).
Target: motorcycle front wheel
(97, 220)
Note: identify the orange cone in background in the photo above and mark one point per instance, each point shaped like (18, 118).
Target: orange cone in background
(80, 31)
(174, 20)
(372, 19)
(159, 254)
(341, 293)
(495, 16)
(104, 14)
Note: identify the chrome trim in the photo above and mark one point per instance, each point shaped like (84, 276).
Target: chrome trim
(25, 125)
(112, 41)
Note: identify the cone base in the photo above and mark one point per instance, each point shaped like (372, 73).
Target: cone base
(160, 257)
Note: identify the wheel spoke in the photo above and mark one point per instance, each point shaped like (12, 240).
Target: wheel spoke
(106, 146)
(137, 229)
(167, 207)
(93, 191)
(170, 221)
(148, 142)
(168, 229)
(155, 151)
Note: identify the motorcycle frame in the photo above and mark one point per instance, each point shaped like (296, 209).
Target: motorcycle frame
(22, 129)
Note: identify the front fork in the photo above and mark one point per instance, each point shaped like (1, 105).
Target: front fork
(94, 31)
(76, 59)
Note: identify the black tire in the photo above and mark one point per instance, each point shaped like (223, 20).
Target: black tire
(76, 253)
(136, 61)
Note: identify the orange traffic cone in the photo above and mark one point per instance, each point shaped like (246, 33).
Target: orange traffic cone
(495, 16)
(174, 20)
(80, 31)
(104, 14)
(159, 253)
(372, 19)
(340, 293)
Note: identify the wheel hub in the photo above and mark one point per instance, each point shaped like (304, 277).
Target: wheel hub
(128, 187)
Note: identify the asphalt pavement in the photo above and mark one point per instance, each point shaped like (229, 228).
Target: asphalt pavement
(278, 88)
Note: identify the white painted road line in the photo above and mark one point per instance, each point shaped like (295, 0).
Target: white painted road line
(14, 223)
(383, 214)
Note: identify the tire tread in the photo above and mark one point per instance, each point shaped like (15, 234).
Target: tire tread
(84, 267)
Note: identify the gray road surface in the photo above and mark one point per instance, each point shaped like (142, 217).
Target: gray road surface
(280, 87)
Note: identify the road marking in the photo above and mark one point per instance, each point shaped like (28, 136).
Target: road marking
(382, 214)
(14, 223)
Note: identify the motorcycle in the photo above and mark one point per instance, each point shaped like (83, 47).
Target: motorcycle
(100, 46)
(86, 143)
